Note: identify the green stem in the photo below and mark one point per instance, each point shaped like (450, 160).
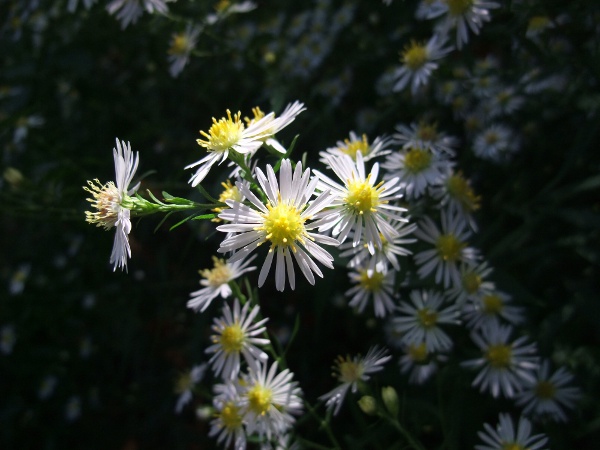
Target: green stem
(324, 425)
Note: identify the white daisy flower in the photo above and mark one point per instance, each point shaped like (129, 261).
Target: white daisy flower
(112, 202)
(129, 11)
(216, 281)
(418, 63)
(181, 47)
(467, 14)
(425, 135)
(473, 283)
(548, 394)
(270, 400)
(450, 249)
(495, 143)
(360, 204)
(350, 371)
(372, 284)
(185, 384)
(387, 254)
(379, 147)
(417, 169)
(505, 366)
(430, 9)
(491, 307)
(457, 196)
(8, 339)
(506, 437)
(228, 422)
(420, 321)
(226, 135)
(282, 222)
(419, 363)
(236, 336)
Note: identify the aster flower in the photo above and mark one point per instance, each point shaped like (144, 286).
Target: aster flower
(129, 11)
(270, 400)
(8, 338)
(236, 336)
(282, 222)
(228, 422)
(473, 283)
(360, 204)
(47, 386)
(417, 169)
(350, 371)
(420, 320)
(425, 135)
(380, 146)
(450, 249)
(495, 143)
(375, 285)
(418, 63)
(505, 365)
(467, 14)
(112, 202)
(457, 196)
(181, 47)
(185, 384)
(229, 135)
(383, 256)
(491, 307)
(429, 9)
(505, 436)
(216, 281)
(419, 363)
(548, 394)
(230, 192)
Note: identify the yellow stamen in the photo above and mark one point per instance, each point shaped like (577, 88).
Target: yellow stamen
(499, 356)
(415, 55)
(362, 198)
(427, 318)
(259, 399)
(417, 160)
(232, 338)
(223, 134)
(371, 281)
(219, 275)
(283, 225)
(449, 247)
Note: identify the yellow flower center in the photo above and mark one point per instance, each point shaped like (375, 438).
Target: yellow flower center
(492, 304)
(180, 44)
(512, 446)
(427, 132)
(459, 189)
(538, 23)
(449, 247)
(545, 389)
(471, 282)
(458, 7)
(371, 281)
(106, 200)
(352, 147)
(283, 225)
(258, 114)
(222, 134)
(417, 160)
(219, 275)
(362, 197)
(230, 416)
(230, 192)
(259, 399)
(184, 383)
(499, 356)
(347, 370)
(232, 338)
(418, 353)
(222, 5)
(415, 55)
(427, 318)
(491, 137)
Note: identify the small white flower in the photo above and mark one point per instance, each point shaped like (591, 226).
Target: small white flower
(505, 365)
(73, 408)
(111, 202)
(350, 371)
(129, 11)
(181, 47)
(491, 307)
(467, 14)
(375, 285)
(548, 394)
(420, 364)
(420, 321)
(228, 424)
(216, 281)
(8, 338)
(360, 204)
(270, 400)
(282, 222)
(425, 135)
(418, 63)
(236, 336)
(379, 147)
(496, 143)
(185, 384)
(505, 436)
(473, 283)
(457, 196)
(47, 386)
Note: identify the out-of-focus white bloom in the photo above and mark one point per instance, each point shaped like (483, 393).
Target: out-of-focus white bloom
(375, 285)
(73, 408)
(491, 307)
(235, 337)
(46, 388)
(129, 11)
(506, 437)
(418, 63)
(18, 279)
(425, 135)
(466, 14)
(473, 283)
(350, 371)
(380, 146)
(457, 196)
(495, 143)
(24, 124)
(8, 338)
(111, 202)
(360, 204)
(185, 384)
(548, 394)
(419, 363)
(228, 424)
(505, 366)
(225, 8)
(216, 281)
(181, 47)
(282, 222)
(450, 249)
(420, 321)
